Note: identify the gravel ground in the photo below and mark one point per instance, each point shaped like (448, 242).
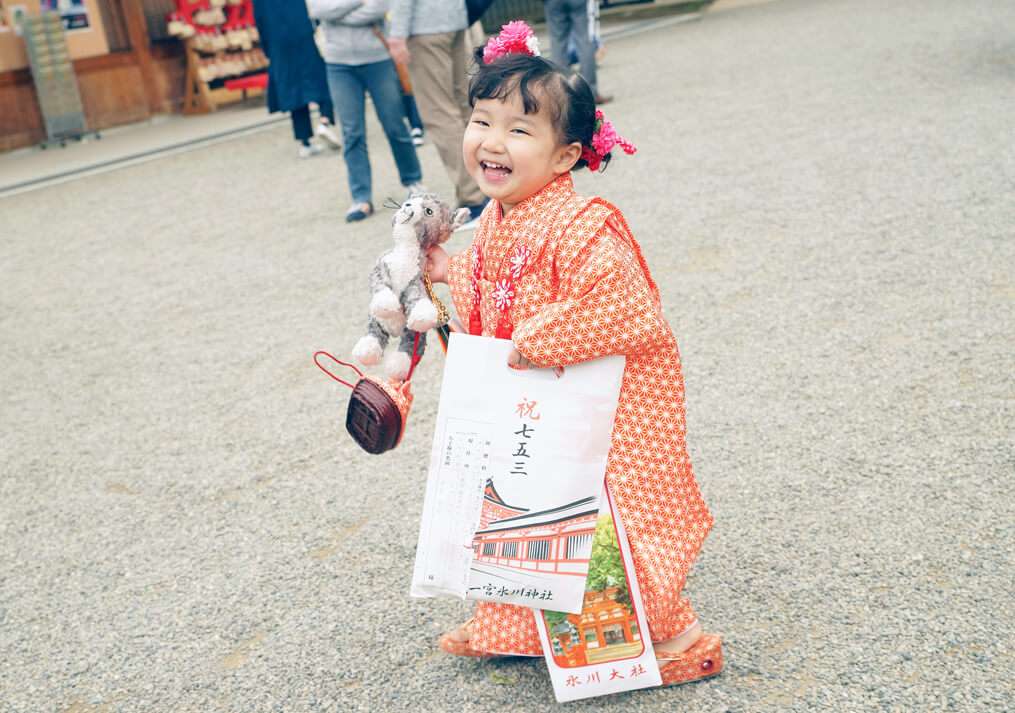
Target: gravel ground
(184, 525)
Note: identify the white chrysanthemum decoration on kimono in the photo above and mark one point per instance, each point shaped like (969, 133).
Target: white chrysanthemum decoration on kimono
(519, 260)
(533, 45)
(503, 295)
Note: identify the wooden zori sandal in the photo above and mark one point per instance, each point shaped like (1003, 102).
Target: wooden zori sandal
(702, 660)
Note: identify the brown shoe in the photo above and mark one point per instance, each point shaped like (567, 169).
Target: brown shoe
(603, 98)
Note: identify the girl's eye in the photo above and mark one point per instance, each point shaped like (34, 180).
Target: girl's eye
(480, 122)
(520, 131)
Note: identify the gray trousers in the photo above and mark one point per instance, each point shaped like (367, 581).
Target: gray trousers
(563, 16)
(440, 82)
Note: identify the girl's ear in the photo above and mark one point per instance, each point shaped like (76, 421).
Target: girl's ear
(567, 157)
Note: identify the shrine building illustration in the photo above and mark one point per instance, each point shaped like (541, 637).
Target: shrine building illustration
(557, 540)
(606, 630)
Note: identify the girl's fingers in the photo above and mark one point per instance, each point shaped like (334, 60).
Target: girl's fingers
(517, 361)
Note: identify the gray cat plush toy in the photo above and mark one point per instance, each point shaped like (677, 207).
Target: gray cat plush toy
(399, 305)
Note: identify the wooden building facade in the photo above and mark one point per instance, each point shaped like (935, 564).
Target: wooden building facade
(605, 630)
(127, 66)
(557, 540)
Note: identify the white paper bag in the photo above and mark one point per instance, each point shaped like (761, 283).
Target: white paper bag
(516, 472)
(606, 647)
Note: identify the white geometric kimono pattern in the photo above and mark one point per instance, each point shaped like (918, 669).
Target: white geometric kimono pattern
(587, 293)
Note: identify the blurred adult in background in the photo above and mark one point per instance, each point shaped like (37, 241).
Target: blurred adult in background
(296, 70)
(412, 114)
(430, 37)
(575, 19)
(358, 62)
(597, 39)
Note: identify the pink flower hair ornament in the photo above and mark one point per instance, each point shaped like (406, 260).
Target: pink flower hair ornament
(514, 38)
(604, 139)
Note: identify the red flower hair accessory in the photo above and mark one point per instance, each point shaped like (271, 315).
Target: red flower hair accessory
(514, 38)
(604, 139)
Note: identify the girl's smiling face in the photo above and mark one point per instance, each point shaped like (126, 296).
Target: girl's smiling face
(511, 154)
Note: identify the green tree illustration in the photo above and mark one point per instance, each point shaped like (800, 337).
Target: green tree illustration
(553, 617)
(606, 567)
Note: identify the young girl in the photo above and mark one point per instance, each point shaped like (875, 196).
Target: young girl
(563, 278)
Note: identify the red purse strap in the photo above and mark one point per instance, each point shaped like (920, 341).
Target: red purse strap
(416, 358)
(337, 361)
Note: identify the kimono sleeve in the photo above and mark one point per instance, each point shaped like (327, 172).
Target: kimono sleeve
(460, 282)
(607, 305)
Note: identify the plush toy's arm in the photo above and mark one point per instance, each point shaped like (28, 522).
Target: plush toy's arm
(377, 279)
(420, 312)
(384, 302)
(605, 306)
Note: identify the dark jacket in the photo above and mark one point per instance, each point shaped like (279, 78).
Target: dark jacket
(296, 73)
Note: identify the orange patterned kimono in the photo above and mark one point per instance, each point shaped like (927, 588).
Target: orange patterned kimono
(585, 292)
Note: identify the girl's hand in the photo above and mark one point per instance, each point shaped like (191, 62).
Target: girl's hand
(520, 363)
(437, 264)
(517, 361)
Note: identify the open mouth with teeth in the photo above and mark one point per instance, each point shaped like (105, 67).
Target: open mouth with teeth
(495, 172)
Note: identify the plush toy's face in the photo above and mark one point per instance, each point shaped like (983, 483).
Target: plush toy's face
(431, 217)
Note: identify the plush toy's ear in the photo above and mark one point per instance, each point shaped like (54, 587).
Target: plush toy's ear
(460, 218)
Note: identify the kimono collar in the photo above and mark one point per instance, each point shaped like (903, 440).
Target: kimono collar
(559, 189)
(505, 246)
(527, 224)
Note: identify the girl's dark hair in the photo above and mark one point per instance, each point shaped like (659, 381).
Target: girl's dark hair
(570, 100)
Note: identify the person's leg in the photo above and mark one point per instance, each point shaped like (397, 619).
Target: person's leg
(411, 112)
(579, 12)
(386, 94)
(302, 131)
(433, 85)
(326, 110)
(348, 95)
(558, 22)
(460, 63)
(475, 37)
(461, 60)
(325, 129)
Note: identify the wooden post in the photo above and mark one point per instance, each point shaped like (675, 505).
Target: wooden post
(137, 31)
(628, 634)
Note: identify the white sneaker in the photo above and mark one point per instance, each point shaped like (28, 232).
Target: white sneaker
(308, 150)
(415, 188)
(326, 132)
(417, 137)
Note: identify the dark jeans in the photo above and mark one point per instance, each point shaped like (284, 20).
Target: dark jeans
(302, 130)
(411, 112)
(349, 84)
(563, 17)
